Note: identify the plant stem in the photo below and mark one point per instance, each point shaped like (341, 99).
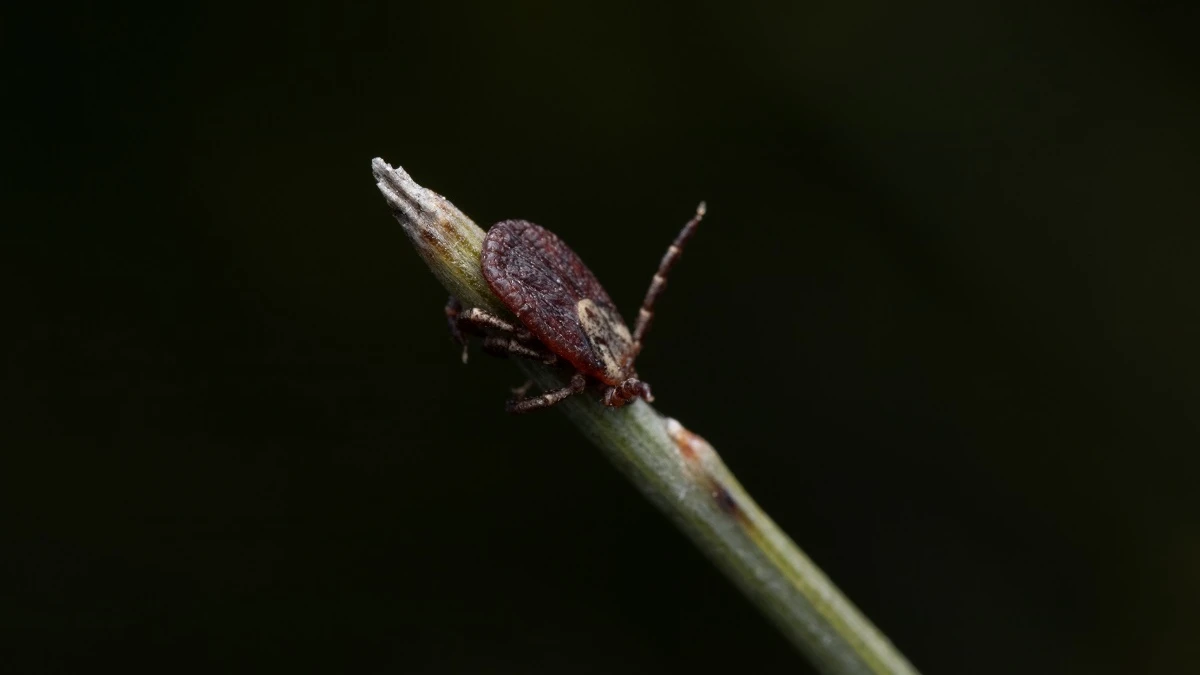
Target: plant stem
(673, 467)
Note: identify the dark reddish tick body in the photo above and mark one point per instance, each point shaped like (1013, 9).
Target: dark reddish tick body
(567, 318)
(557, 298)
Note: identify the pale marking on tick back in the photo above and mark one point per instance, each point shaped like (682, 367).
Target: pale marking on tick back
(602, 328)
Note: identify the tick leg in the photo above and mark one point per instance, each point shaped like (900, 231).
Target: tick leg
(477, 320)
(481, 322)
(659, 282)
(520, 391)
(578, 384)
(627, 391)
(499, 345)
(453, 310)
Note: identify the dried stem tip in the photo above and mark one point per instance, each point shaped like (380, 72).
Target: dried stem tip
(448, 241)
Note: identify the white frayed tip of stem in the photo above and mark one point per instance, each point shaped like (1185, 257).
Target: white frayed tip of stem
(402, 193)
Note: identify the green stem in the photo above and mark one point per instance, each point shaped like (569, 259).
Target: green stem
(676, 469)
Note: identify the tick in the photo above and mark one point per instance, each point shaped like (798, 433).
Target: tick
(567, 319)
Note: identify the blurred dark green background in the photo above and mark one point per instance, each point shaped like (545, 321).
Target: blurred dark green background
(941, 321)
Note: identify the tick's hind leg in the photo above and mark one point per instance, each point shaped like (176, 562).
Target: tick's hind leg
(483, 323)
(499, 345)
(453, 310)
(578, 384)
(477, 320)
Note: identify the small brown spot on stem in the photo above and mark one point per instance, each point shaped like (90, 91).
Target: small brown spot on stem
(688, 443)
(724, 500)
(696, 452)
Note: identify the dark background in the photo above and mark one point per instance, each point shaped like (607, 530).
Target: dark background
(941, 321)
